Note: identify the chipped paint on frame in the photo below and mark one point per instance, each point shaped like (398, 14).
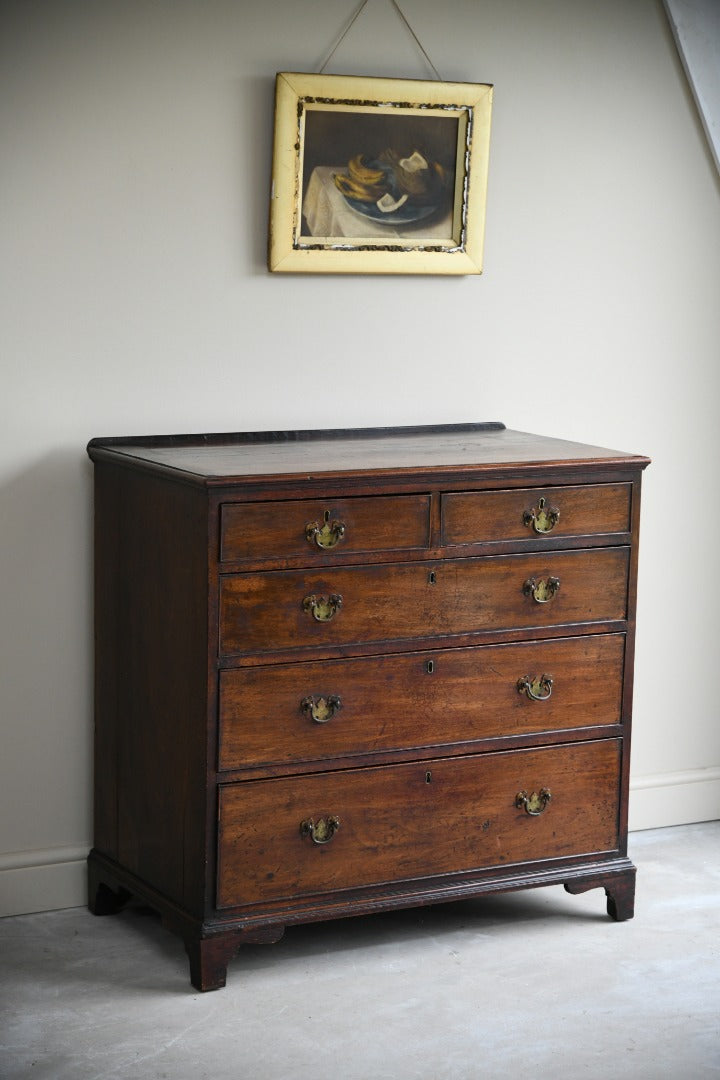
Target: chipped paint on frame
(292, 250)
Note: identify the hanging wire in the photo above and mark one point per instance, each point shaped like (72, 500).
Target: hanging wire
(417, 39)
(356, 15)
(339, 41)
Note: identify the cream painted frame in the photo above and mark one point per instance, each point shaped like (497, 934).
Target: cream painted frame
(296, 93)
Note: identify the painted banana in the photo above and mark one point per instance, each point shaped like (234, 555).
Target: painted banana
(354, 190)
(363, 174)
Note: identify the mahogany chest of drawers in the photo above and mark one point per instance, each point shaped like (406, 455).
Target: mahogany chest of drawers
(346, 671)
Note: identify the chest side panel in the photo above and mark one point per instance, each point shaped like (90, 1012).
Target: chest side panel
(151, 628)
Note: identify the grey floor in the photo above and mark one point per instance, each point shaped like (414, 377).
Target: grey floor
(529, 985)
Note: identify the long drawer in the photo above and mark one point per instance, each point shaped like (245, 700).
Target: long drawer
(298, 836)
(289, 609)
(317, 711)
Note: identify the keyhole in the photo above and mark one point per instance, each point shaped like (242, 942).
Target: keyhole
(428, 777)
(430, 667)
(431, 577)
(326, 516)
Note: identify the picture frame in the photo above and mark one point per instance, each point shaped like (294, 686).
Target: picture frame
(385, 176)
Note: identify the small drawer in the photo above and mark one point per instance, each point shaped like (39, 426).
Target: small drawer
(477, 517)
(357, 604)
(267, 530)
(290, 713)
(299, 836)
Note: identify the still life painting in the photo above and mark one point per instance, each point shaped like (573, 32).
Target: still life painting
(378, 175)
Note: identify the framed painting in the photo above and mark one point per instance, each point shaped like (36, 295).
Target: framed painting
(385, 176)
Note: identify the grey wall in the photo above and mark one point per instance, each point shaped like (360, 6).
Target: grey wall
(134, 181)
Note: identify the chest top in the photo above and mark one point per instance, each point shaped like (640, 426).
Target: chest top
(458, 450)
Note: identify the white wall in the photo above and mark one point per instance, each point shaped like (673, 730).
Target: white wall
(134, 179)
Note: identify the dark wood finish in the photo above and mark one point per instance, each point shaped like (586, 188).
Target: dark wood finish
(151, 737)
(272, 530)
(105, 895)
(414, 820)
(209, 956)
(417, 699)
(478, 517)
(207, 762)
(264, 612)
(366, 452)
(619, 890)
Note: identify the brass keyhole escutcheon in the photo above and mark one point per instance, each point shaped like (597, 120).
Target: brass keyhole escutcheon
(325, 536)
(541, 518)
(323, 608)
(542, 591)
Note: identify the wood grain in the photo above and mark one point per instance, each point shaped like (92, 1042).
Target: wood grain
(486, 516)
(395, 824)
(416, 699)
(250, 530)
(206, 762)
(262, 612)
(466, 448)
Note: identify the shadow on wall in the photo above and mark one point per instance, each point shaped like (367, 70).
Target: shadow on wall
(255, 102)
(45, 652)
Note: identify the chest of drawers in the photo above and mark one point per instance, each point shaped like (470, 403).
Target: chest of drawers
(347, 671)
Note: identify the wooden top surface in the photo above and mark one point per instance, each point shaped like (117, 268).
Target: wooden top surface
(310, 453)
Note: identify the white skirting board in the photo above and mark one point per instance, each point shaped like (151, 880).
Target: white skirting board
(677, 798)
(32, 881)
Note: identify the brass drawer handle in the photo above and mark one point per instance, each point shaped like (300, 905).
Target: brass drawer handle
(321, 709)
(320, 831)
(327, 535)
(537, 689)
(542, 591)
(541, 518)
(535, 803)
(323, 608)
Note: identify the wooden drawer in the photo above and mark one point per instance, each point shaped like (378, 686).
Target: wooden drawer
(476, 517)
(277, 610)
(334, 708)
(323, 527)
(414, 821)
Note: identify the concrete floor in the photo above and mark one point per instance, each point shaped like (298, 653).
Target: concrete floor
(531, 985)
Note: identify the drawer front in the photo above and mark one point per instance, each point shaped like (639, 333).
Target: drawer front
(414, 821)
(345, 605)
(289, 713)
(323, 527)
(477, 517)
